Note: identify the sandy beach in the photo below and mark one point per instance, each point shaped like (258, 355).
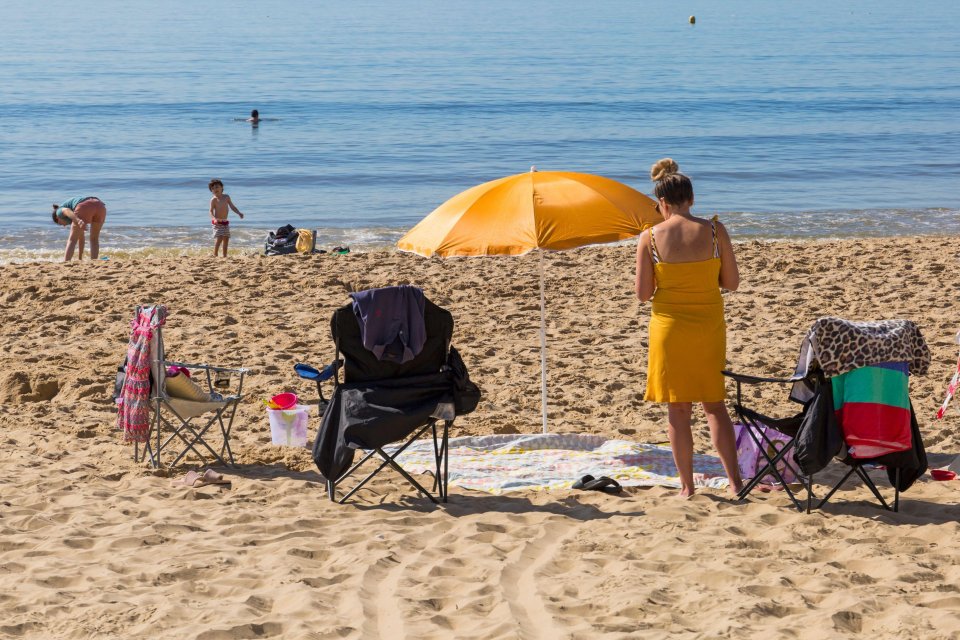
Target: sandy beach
(93, 545)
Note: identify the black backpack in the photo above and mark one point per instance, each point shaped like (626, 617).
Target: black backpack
(281, 242)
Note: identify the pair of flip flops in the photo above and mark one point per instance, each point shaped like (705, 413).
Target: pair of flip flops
(603, 483)
(196, 479)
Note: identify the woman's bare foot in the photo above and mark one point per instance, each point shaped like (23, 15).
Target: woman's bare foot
(736, 488)
(685, 493)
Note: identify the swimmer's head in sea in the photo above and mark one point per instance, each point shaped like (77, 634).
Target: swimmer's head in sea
(254, 116)
(670, 184)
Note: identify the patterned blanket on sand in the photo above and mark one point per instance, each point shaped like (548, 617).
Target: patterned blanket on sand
(542, 462)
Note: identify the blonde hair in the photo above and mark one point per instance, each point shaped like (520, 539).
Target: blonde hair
(669, 183)
(663, 168)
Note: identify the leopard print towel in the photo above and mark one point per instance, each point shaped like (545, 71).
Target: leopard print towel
(837, 346)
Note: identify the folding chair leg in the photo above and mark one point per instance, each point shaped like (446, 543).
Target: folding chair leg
(446, 457)
(369, 477)
(771, 468)
(159, 449)
(870, 485)
(406, 475)
(197, 438)
(387, 460)
(225, 431)
(835, 487)
(140, 456)
(441, 457)
(436, 459)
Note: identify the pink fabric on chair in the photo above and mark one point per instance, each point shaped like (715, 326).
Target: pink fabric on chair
(134, 404)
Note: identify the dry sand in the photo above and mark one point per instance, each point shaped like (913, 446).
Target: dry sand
(94, 545)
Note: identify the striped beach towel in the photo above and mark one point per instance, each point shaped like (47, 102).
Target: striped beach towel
(872, 405)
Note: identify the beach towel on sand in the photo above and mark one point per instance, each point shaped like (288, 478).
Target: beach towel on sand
(500, 463)
(134, 402)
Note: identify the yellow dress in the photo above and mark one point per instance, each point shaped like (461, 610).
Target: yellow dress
(688, 335)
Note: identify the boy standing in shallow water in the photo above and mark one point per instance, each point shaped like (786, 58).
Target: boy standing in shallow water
(220, 205)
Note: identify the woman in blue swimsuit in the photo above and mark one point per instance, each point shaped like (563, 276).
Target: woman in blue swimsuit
(79, 214)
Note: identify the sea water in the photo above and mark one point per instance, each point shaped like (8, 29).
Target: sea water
(812, 119)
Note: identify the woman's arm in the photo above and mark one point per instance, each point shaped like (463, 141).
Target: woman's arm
(646, 283)
(76, 238)
(70, 214)
(729, 273)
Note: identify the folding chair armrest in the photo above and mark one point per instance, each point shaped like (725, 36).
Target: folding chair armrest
(308, 372)
(740, 377)
(318, 377)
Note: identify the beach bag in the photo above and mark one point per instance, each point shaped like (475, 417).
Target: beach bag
(281, 242)
(305, 241)
(819, 438)
(751, 459)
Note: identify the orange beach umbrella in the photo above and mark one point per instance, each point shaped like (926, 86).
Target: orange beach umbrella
(537, 210)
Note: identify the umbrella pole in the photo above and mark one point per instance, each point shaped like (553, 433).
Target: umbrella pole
(543, 347)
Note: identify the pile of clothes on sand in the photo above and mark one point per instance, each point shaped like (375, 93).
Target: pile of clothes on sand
(288, 239)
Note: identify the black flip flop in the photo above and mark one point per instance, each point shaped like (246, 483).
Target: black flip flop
(603, 483)
(582, 482)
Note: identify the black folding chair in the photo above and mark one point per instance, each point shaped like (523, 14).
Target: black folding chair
(902, 467)
(380, 402)
(754, 423)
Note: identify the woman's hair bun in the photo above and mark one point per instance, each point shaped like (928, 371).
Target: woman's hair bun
(663, 168)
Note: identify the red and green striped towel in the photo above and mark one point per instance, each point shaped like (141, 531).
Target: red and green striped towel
(873, 408)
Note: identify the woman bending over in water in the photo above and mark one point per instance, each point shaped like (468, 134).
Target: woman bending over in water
(80, 214)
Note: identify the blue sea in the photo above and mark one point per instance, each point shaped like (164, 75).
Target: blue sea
(812, 119)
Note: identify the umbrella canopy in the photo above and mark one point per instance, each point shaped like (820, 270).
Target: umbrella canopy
(536, 210)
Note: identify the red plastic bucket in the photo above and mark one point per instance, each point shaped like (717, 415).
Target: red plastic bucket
(284, 400)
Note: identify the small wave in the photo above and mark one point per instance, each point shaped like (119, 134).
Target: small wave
(35, 245)
(860, 223)
(47, 243)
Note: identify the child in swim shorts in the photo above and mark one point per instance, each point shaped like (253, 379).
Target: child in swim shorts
(220, 206)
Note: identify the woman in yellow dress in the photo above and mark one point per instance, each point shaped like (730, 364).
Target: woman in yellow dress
(682, 263)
